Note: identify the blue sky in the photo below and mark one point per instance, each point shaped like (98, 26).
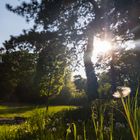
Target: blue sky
(10, 23)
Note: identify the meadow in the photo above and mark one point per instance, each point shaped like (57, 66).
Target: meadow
(74, 74)
(113, 119)
(36, 118)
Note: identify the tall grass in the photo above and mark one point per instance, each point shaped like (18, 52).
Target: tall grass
(131, 113)
(102, 129)
(101, 124)
(72, 127)
(41, 125)
(132, 116)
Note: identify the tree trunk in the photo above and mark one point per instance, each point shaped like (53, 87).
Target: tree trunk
(92, 84)
(92, 28)
(113, 74)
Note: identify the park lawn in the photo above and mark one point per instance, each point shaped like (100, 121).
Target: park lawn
(26, 111)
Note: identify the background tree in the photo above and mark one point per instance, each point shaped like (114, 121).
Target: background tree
(80, 83)
(50, 70)
(50, 61)
(80, 20)
(126, 67)
(16, 69)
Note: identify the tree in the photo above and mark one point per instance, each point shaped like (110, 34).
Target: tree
(126, 67)
(104, 84)
(50, 70)
(50, 60)
(16, 69)
(80, 20)
(80, 83)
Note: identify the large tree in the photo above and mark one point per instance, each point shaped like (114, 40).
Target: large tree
(78, 21)
(16, 69)
(50, 61)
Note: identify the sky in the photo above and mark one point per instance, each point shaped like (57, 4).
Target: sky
(10, 23)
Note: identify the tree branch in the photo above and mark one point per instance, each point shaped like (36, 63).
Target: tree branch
(96, 8)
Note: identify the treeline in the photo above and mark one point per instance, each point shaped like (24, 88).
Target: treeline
(29, 73)
(17, 71)
(35, 76)
(34, 64)
(126, 70)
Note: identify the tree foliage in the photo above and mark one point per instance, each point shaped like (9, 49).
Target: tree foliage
(80, 83)
(77, 22)
(126, 67)
(50, 70)
(16, 69)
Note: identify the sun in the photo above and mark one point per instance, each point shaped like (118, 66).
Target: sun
(100, 47)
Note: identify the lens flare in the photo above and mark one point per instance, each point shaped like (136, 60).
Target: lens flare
(100, 47)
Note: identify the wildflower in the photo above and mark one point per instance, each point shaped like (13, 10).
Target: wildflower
(48, 119)
(79, 121)
(26, 131)
(122, 92)
(107, 129)
(57, 120)
(119, 125)
(68, 124)
(53, 129)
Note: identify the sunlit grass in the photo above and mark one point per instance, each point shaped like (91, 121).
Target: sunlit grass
(35, 126)
(26, 111)
(3, 107)
(76, 123)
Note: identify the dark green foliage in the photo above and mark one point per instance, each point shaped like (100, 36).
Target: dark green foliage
(44, 73)
(80, 83)
(16, 69)
(126, 67)
(78, 21)
(50, 69)
(49, 65)
(51, 127)
(104, 86)
(65, 24)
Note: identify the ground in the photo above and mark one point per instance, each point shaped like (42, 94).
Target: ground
(26, 110)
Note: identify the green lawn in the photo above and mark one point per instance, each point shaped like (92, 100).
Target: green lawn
(66, 122)
(26, 111)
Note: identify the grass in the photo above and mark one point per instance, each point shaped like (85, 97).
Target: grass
(34, 127)
(2, 107)
(104, 120)
(26, 111)
(131, 112)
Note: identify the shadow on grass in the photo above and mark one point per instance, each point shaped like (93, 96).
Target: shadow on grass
(81, 113)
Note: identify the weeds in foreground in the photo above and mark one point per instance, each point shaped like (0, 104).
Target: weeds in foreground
(131, 112)
(101, 124)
